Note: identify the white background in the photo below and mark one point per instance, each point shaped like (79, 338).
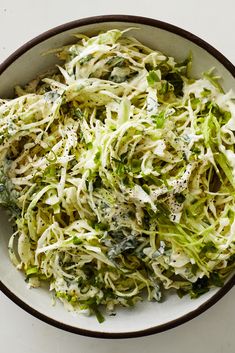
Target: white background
(212, 20)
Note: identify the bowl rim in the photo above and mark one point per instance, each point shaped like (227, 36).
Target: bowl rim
(170, 28)
(117, 18)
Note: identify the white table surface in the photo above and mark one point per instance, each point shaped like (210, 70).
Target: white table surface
(212, 20)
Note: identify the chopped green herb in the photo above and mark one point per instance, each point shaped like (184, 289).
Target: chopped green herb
(153, 77)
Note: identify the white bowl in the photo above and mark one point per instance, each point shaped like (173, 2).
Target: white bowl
(22, 66)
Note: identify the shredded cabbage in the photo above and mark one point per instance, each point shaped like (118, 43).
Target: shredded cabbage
(119, 171)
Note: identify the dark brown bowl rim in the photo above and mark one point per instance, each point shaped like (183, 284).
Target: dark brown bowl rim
(170, 28)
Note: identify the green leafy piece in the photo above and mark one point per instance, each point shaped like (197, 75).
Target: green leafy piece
(196, 150)
(180, 198)
(85, 59)
(97, 313)
(63, 295)
(206, 92)
(226, 116)
(146, 188)
(89, 145)
(135, 165)
(32, 271)
(181, 292)
(208, 247)
(222, 162)
(176, 81)
(149, 67)
(185, 65)
(101, 226)
(97, 157)
(195, 102)
(153, 77)
(213, 79)
(194, 269)
(159, 120)
(200, 287)
(164, 87)
(216, 280)
(124, 245)
(77, 240)
(116, 61)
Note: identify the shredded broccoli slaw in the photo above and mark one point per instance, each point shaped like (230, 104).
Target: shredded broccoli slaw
(119, 173)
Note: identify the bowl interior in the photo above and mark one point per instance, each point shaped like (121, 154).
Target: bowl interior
(146, 315)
